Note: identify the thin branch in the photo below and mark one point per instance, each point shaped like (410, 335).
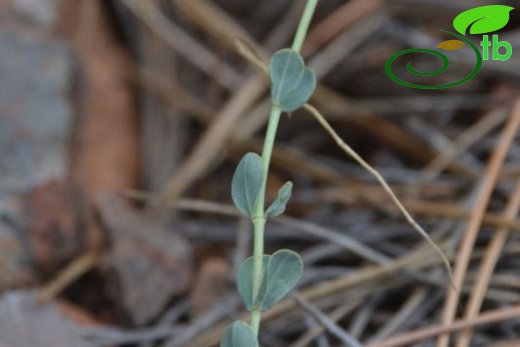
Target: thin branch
(487, 185)
(381, 181)
(328, 323)
(405, 339)
(77, 268)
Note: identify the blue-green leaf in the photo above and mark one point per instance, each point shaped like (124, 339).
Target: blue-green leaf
(245, 277)
(239, 334)
(284, 269)
(299, 96)
(247, 183)
(292, 83)
(279, 204)
(483, 19)
(286, 69)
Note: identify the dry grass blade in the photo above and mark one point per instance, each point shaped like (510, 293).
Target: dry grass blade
(182, 43)
(338, 238)
(214, 20)
(327, 322)
(381, 181)
(406, 339)
(465, 140)
(402, 315)
(489, 180)
(487, 266)
(324, 233)
(432, 209)
(214, 138)
(335, 315)
(246, 51)
(342, 18)
(77, 268)
(449, 210)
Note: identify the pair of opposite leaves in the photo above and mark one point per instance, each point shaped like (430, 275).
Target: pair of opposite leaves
(247, 184)
(280, 273)
(481, 20)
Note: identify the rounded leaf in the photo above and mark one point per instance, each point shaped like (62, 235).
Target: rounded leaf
(451, 45)
(245, 276)
(286, 69)
(239, 334)
(279, 204)
(299, 96)
(292, 83)
(483, 19)
(284, 270)
(247, 183)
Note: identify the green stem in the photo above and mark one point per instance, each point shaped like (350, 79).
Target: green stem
(259, 217)
(259, 224)
(305, 21)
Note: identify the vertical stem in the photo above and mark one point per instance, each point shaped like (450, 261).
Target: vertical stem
(259, 217)
(259, 224)
(274, 119)
(305, 21)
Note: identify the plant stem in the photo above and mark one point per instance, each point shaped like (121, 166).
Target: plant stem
(259, 218)
(259, 224)
(305, 21)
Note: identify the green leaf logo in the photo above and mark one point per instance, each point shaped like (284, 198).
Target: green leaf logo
(483, 19)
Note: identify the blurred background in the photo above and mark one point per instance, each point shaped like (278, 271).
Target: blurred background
(121, 123)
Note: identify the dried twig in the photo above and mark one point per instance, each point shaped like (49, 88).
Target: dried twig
(328, 323)
(77, 268)
(489, 180)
